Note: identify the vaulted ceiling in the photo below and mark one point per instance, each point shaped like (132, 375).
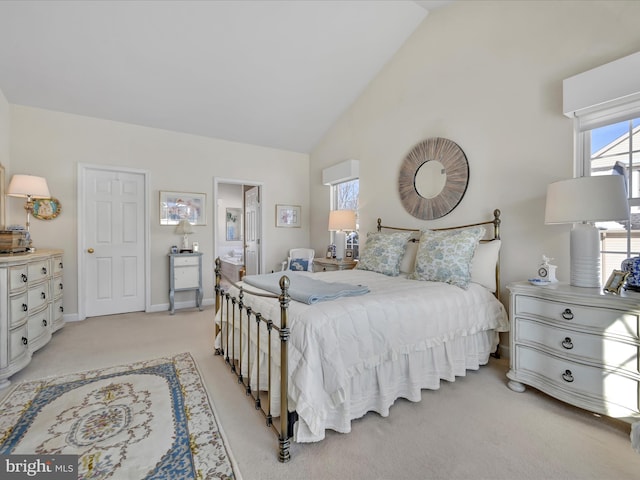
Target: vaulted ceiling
(266, 72)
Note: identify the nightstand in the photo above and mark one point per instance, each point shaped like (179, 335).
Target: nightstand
(578, 345)
(185, 273)
(330, 264)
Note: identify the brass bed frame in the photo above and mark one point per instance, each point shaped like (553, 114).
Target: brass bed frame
(234, 312)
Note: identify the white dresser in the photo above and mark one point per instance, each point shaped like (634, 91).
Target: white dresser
(185, 273)
(30, 306)
(578, 345)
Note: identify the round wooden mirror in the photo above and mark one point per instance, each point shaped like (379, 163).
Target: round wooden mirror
(433, 178)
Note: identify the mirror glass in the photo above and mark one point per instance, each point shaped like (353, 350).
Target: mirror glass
(430, 179)
(233, 225)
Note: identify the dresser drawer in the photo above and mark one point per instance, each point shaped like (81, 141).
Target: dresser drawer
(579, 346)
(56, 265)
(58, 310)
(18, 278)
(186, 261)
(38, 271)
(597, 384)
(39, 329)
(37, 296)
(56, 287)
(598, 320)
(18, 308)
(18, 343)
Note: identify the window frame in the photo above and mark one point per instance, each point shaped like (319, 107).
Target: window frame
(583, 126)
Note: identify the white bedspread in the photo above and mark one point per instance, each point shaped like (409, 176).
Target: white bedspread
(336, 345)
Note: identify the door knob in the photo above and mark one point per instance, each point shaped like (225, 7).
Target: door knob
(90, 250)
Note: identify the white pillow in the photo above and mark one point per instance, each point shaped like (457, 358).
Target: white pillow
(483, 264)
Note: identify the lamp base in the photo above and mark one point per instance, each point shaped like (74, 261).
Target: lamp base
(341, 244)
(585, 256)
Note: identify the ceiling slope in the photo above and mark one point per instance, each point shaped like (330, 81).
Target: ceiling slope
(270, 73)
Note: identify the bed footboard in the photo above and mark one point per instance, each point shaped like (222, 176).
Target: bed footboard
(240, 332)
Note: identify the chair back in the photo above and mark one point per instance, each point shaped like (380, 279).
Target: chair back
(300, 259)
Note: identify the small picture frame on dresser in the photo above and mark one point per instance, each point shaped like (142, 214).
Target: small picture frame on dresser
(616, 282)
(348, 253)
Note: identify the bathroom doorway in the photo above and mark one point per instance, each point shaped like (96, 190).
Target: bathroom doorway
(238, 226)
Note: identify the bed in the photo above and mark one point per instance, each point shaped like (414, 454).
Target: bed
(387, 330)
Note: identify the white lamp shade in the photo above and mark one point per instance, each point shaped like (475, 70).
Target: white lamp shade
(28, 186)
(587, 199)
(342, 220)
(184, 227)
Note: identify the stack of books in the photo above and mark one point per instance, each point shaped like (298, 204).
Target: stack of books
(14, 241)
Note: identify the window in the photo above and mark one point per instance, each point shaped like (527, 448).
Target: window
(344, 196)
(614, 149)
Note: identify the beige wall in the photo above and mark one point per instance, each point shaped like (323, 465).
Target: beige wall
(51, 144)
(5, 133)
(487, 75)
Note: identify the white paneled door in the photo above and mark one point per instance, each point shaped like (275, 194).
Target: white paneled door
(112, 241)
(252, 230)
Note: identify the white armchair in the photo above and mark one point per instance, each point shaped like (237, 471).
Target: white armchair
(300, 259)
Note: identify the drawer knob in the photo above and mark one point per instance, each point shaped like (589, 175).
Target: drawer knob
(44, 270)
(24, 340)
(60, 265)
(60, 286)
(567, 314)
(24, 278)
(567, 376)
(24, 307)
(44, 322)
(567, 343)
(61, 308)
(43, 295)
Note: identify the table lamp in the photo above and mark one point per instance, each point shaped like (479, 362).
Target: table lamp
(29, 187)
(582, 201)
(185, 229)
(339, 222)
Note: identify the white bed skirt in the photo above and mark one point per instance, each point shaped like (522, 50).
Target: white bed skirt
(376, 388)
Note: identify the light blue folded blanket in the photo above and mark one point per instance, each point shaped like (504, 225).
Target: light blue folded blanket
(303, 288)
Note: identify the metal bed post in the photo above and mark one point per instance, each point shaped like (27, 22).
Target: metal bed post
(284, 455)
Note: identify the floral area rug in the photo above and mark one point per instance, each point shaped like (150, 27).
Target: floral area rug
(148, 420)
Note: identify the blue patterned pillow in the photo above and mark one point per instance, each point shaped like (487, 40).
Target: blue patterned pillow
(382, 252)
(445, 256)
(299, 264)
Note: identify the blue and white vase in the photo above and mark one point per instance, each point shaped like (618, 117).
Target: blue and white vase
(632, 265)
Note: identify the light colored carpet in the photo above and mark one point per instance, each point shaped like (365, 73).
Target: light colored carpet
(474, 428)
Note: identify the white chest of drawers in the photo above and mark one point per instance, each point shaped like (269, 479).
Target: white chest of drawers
(185, 273)
(30, 306)
(578, 345)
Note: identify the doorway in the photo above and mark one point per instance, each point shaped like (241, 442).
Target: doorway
(230, 196)
(113, 237)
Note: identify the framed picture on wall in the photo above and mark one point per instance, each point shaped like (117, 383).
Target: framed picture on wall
(288, 216)
(175, 206)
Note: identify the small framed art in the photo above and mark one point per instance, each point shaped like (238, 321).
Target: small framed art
(288, 216)
(348, 253)
(616, 282)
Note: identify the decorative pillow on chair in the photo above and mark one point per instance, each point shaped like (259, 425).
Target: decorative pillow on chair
(299, 264)
(382, 252)
(445, 256)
